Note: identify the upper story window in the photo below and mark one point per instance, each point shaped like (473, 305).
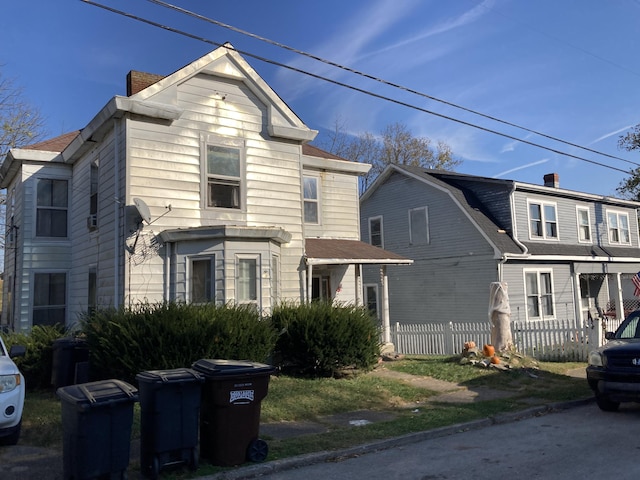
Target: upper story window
(418, 226)
(376, 236)
(543, 221)
(223, 169)
(618, 224)
(311, 200)
(52, 206)
(584, 224)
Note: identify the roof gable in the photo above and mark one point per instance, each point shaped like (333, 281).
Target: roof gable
(225, 62)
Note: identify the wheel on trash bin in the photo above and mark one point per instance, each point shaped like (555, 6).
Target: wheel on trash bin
(258, 450)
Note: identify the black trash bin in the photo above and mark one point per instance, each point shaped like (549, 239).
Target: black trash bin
(70, 362)
(96, 429)
(169, 418)
(230, 413)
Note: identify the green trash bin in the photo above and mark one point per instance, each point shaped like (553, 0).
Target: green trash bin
(97, 418)
(230, 412)
(169, 418)
(70, 362)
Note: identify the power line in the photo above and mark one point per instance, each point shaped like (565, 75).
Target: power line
(351, 87)
(379, 80)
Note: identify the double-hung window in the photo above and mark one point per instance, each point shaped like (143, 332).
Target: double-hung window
(543, 221)
(584, 224)
(49, 298)
(247, 280)
(539, 294)
(51, 207)
(618, 224)
(223, 173)
(311, 200)
(376, 237)
(202, 280)
(418, 226)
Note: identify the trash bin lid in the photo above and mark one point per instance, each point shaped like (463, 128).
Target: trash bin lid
(176, 375)
(217, 367)
(93, 394)
(68, 342)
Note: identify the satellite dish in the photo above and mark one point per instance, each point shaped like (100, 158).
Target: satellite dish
(143, 209)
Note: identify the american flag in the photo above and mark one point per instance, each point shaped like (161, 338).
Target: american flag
(636, 283)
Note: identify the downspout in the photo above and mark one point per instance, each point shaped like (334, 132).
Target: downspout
(116, 215)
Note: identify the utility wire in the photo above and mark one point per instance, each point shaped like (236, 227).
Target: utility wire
(351, 87)
(379, 80)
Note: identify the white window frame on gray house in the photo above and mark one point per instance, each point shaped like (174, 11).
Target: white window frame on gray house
(376, 234)
(201, 289)
(419, 226)
(371, 296)
(40, 301)
(52, 211)
(546, 226)
(311, 199)
(539, 294)
(248, 288)
(618, 234)
(583, 219)
(223, 173)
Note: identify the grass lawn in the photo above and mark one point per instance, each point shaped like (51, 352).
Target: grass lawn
(295, 399)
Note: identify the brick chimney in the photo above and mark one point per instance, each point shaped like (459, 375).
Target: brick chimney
(137, 81)
(552, 180)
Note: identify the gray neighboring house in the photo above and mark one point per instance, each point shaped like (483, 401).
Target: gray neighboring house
(564, 254)
(199, 186)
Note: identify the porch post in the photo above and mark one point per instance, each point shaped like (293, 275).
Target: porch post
(386, 326)
(359, 291)
(577, 300)
(618, 298)
(309, 281)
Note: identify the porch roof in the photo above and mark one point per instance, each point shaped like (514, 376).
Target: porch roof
(328, 251)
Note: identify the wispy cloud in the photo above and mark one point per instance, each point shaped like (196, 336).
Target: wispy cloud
(611, 134)
(522, 167)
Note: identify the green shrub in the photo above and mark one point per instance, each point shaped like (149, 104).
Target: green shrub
(37, 364)
(323, 339)
(164, 336)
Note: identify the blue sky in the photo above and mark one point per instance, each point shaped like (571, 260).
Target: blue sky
(565, 68)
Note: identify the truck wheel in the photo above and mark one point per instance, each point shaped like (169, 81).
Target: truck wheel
(605, 404)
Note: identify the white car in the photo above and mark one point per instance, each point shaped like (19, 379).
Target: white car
(12, 389)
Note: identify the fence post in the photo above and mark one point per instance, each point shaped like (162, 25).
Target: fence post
(596, 334)
(448, 338)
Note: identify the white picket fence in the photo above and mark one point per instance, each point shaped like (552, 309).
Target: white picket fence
(549, 340)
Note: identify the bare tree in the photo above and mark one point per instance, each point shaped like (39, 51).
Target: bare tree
(20, 124)
(395, 145)
(630, 187)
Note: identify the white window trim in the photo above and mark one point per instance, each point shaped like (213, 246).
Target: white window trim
(188, 290)
(370, 219)
(33, 289)
(257, 258)
(218, 140)
(579, 225)
(37, 237)
(538, 272)
(542, 204)
(317, 200)
(366, 296)
(426, 218)
(618, 213)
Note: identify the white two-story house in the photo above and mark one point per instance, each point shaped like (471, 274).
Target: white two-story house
(199, 186)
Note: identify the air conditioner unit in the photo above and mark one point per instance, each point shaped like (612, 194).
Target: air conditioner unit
(92, 221)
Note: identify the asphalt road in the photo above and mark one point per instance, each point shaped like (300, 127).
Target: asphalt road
(578, 443)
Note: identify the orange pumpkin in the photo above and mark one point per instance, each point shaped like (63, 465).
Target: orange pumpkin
(488, 350)
(495, 360)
